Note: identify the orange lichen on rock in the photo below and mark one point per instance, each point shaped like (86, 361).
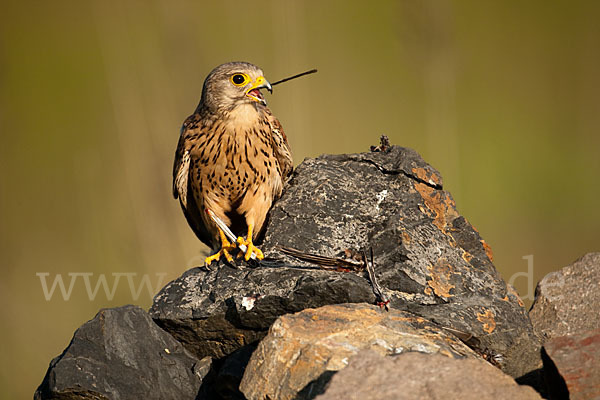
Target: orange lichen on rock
(439, 203)
(511, 290)
(440, 283)
(405, 237)
(488, 250)
(467, 256)
(487, 318)
(427, 176)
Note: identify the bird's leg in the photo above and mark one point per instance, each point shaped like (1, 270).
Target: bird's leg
(251, 248)
(226, 246)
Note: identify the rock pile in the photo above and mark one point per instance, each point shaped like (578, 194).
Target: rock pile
(282, 329)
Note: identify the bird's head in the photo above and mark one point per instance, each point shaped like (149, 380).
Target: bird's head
(233, 84)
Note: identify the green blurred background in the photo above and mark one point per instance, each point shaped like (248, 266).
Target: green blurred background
(503, 97)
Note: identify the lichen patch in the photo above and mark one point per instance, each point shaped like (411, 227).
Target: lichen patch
(487, 318)
(440, 282)
(440, 205)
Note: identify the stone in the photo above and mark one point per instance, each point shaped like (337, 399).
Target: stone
(572, 366)
(122, 354)
(371, 376)
(567, 301)
(216, 312)
(301, 348)
(429, 260)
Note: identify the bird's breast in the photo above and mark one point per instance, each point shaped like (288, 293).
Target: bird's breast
(236, 160)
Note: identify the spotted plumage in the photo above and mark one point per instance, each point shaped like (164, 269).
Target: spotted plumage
(232, 158)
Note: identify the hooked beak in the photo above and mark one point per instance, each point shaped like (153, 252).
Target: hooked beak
(254, 91)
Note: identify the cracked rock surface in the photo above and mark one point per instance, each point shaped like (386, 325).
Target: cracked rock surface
(429, 260)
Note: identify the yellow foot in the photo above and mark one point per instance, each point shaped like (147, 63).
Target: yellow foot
(227, 247)
(250, 248)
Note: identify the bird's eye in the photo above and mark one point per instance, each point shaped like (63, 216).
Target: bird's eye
(239, 79)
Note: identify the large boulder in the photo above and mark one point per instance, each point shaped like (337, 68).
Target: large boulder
(430, 262)
(370, 376)
(301, 352)
(121, 354)
(568, 301)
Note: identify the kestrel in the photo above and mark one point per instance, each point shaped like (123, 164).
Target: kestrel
(232, 158)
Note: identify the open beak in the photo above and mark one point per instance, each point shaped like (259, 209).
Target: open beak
(254, 91)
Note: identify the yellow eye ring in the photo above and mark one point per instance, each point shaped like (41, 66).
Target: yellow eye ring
(239, 79)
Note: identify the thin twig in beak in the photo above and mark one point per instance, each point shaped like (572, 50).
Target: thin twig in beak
(312, 71)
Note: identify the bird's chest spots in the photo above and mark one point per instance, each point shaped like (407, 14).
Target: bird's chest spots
(231, 163)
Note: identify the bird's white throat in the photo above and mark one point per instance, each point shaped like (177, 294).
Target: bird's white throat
(242, 116)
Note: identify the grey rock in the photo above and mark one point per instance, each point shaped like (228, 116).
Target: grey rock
(214, 313)
(432, 261)
(567, 301)
(121, 354)
(429, 260)
(371, 376)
